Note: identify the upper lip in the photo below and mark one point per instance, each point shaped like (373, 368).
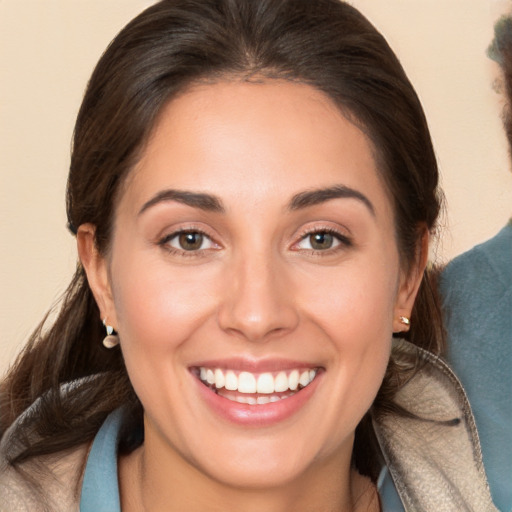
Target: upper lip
(255, 365)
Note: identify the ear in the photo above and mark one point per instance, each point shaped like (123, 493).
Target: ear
(410, 282)
(96, 269)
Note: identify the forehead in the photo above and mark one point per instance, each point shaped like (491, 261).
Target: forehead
(239, 139)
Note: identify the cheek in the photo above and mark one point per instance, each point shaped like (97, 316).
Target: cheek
(355, 308)
(356, 300)
(158, 308)
(158, 311)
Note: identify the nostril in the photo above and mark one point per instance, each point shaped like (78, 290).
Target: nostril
(257, 331)
(257, 304)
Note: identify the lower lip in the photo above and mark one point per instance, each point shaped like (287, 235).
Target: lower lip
(260, 415)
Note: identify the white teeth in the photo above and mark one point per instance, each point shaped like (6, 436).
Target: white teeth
(293, 380)
(246, 383)
(261, 400)
(304, 378)
(263, 383)
(220, 380)
(231, 381)
(210, 377)
(281, 383)
(244, 400)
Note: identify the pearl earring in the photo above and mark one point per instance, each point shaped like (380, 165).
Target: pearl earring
(111, 339)
(404, 320)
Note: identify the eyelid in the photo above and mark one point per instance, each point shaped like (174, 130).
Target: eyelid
(344, 239)
(170, 234)
(175, 236)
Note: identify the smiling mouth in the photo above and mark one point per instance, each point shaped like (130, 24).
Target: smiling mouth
(255, 388)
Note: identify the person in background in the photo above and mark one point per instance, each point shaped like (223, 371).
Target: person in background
(476, 290)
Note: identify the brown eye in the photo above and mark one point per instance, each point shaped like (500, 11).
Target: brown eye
(188, 241)
(191, 241)
(321, 241)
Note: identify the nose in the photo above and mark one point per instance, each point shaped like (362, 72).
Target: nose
(258, 300)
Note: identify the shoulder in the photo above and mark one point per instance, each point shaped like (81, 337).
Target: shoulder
(48, 482)
(476, 293)
(486, 262)
(434, 444)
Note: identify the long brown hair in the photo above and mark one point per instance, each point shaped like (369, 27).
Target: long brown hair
(324, 43)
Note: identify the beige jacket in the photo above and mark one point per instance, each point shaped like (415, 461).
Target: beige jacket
(435, 461)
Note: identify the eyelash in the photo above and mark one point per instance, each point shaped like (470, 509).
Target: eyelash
(344, 241)
(164, 242)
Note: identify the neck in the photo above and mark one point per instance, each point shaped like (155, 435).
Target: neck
(147, 484)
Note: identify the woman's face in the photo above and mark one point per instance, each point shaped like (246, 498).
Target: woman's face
(254, 248)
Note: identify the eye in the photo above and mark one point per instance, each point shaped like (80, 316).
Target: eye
(188, 241)
(322, 241)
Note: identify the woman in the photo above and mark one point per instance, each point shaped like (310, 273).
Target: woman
(252, 188)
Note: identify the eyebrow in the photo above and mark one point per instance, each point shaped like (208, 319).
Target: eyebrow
(202, 201)
(209, 202)
(318, 196)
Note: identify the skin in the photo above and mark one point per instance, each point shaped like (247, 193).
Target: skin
(255, 289)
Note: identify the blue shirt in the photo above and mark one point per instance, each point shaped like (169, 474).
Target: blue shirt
(100, 489)
(477, 307)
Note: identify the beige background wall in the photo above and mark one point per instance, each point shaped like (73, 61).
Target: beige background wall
(49, 47)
